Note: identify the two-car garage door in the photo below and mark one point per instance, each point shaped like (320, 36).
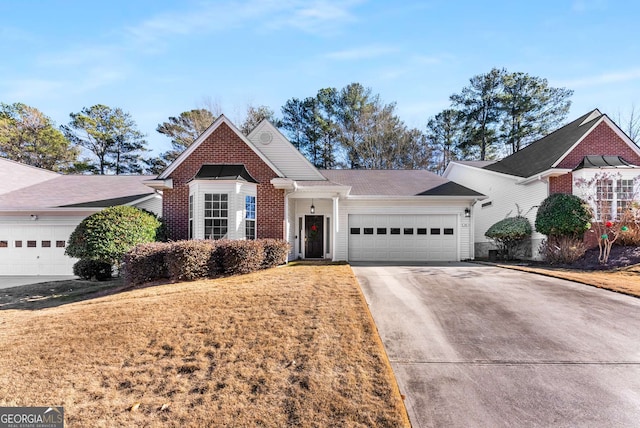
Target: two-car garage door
(403, 237)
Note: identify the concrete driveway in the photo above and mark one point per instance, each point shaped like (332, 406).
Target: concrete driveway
(479, 346)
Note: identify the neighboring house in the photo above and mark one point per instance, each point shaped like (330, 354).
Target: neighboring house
(39, 210)
(226, 185)
(519, 183)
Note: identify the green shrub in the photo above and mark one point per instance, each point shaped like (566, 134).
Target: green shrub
(509, 234)
(276, 252)
(189, 260)
(108, 234)
(145, 263)
(563, 215)
(562, 249)
(240, 257)
(89, 269)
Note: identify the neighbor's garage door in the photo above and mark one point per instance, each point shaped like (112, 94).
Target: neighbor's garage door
(403, 238)
(31, 249)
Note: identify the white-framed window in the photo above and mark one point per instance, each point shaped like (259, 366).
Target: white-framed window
(613, 196)
(216, 215)
(250, 217)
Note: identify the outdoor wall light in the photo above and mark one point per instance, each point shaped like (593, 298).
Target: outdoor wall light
(312, 209)
(467, 212)
(34, 217)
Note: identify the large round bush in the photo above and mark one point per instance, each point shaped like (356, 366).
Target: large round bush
(108, 234)
(563, 215)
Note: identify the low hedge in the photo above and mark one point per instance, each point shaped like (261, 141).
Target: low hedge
(146, 263)
(195, 259)
(240, 257)
(189, 260)
(276, 252)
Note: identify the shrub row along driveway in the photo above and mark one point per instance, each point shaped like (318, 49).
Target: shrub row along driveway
(474, 345)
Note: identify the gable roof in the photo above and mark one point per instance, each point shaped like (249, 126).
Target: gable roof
(366, 182)
(275, 146)
(215, 125)
(224, 172)
(544, 153)
(78, 191)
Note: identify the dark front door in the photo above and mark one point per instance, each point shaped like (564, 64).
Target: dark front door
(313, 236)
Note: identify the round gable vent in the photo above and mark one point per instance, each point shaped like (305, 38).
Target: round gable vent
(266, 137)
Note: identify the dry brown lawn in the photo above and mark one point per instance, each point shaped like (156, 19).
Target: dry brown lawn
(292, 346)
(624, 280)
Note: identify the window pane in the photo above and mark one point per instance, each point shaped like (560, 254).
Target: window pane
(355, 231)
(395, 231)
(31, 244)
(215, 215)
(422, 231)
(368, 230)
(381, 231)
(18, 244)
(250, 229)
(46, 244)
(434, 231)
(4, 244)
(250, 207)
(408, 231)
(60, 244)
(448, 231)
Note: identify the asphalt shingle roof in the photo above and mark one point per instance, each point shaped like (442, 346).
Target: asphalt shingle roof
(540, 155)
(78, 191)
(396, 183)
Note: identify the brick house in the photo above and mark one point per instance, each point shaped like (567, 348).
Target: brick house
(227, 185)
(589, 145)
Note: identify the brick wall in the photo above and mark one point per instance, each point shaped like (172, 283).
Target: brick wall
(224, 146)
(601, 141)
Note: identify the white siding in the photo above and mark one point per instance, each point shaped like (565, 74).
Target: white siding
(153, 204)
(273, 145)
(505, 199)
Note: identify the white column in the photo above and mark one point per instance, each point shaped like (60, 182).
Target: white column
(335, 227)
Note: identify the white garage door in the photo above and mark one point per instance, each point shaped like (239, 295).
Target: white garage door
(403, 238)
(29, 249)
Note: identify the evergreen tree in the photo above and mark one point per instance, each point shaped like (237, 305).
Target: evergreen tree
(111, 136)
(28, 136)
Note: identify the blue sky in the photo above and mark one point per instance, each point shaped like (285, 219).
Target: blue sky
(157, 58)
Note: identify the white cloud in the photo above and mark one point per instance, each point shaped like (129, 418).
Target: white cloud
(318, 17)
(602, 79)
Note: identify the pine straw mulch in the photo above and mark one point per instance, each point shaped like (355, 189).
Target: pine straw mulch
(291, 346)
(620, 274)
